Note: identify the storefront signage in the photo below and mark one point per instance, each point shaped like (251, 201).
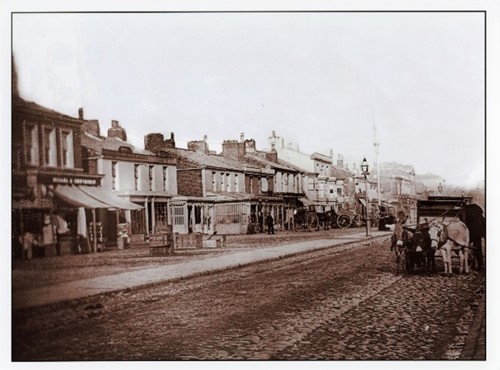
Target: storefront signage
(68, 180)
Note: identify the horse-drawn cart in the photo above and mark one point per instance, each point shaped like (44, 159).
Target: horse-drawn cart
(415, 248)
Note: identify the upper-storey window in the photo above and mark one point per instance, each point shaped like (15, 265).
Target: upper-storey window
(136, 176)
(32, 149)
(165, 178)
(49, 147)
(67, 149)
(151, 177)
(214, 182)
(114, 175)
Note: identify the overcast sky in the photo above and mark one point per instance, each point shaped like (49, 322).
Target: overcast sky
(323, 80)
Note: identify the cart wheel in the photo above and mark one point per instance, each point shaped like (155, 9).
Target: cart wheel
(343, 221)
(312, 222)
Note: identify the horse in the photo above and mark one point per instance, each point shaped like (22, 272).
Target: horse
(399, 244)
(473, 218)
(422, 252)
(452, 237)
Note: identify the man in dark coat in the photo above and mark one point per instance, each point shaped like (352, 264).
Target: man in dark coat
(270, 224)
(476, 223)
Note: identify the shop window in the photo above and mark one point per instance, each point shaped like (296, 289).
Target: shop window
(138, 222)
(228, 213)
(32, 156)
(178, 215)
(161, 214)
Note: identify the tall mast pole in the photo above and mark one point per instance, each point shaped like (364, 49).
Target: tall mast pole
(376, 145)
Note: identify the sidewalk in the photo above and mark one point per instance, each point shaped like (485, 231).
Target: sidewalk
(57, 293)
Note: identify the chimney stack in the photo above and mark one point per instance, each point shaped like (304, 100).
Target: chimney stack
(242, 137)
(117, 131)
(80, 113)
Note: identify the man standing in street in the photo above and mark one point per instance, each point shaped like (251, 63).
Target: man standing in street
(270, 224)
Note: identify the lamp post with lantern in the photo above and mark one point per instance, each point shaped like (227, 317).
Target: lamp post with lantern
(364, 170)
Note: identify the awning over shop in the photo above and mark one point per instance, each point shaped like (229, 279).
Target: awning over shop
(305, 202)
(91, 197)
(108, 197)
(74, 196)
(362, 201)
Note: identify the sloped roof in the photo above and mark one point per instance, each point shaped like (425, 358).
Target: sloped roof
(293, 166)
(269, 163)
(37, 109)
(213, 160)
(109, 143)
(340, 173)
(321, 157)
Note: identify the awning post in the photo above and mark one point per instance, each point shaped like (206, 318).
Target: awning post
(94, 227)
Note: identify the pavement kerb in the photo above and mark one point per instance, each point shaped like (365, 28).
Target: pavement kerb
(471, 349)
(84, 297)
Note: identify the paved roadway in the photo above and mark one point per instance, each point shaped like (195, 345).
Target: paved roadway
(474, 347)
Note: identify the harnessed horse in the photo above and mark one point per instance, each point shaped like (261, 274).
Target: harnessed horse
(399, 243)
(452, 237)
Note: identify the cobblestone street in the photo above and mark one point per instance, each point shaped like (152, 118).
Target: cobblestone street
(334, 304)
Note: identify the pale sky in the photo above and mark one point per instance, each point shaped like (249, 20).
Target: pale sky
(320, 79)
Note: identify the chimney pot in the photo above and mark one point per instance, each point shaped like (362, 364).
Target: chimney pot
(80, 113)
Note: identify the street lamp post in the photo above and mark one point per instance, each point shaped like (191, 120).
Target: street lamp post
(364, 169)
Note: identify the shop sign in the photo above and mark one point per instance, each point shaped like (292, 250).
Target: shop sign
(67, 180)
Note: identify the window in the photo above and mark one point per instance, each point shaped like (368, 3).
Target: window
(114, 175)
(32, 151)
(67, 149)
(214, 182)
(161, 214)
(222, 185)
(136, 176)
(228, 213)
(49, 147)
(265, 184)
(151, 177)
(228, 182)
(177, 215)
(236, 183)
(165, 178)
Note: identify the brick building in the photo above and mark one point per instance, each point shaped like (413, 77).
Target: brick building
(216, 193)
(138, 176)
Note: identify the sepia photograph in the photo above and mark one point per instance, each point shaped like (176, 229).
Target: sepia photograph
(226, 184)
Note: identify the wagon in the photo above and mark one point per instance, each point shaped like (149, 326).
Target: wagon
(305, 219)
(435, 207)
